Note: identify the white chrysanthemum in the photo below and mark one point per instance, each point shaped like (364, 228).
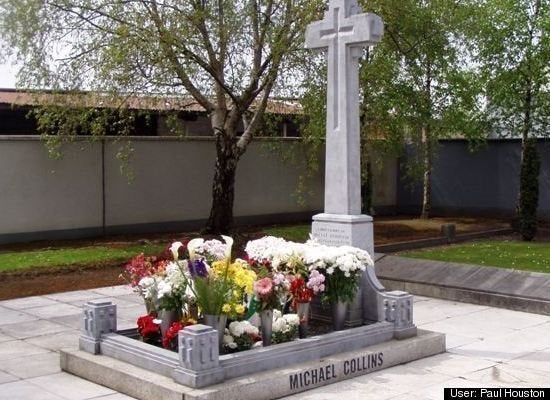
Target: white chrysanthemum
(278, 325)
(228, 339)
(164, 288)
(236, 329)
(148, 286)
(249, 328)
(291, 319)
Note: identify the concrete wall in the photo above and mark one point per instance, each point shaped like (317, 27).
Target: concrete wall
(484, 182)
(84, 193)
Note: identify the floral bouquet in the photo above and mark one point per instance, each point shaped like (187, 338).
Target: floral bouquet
(170, 339)
(148, 329)
(241, 335)
(342, 266)
(168, 289)
(220, 287)
(270, 290)
(284, 327)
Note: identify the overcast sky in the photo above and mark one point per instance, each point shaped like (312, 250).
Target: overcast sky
(7, 76)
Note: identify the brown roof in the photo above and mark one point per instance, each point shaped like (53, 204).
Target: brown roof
(145, 102)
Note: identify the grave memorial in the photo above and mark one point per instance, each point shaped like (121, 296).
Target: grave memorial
(381, 331)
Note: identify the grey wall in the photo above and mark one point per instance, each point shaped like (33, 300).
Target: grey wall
(84, 193)
(484, 182)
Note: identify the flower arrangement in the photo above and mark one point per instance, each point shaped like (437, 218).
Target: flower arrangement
(342, 267)
(170, 339)
(284, 327)
(200, 276)
(148, 329)
(241, 335)
(223, 288)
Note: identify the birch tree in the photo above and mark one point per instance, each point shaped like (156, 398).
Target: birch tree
(228, 55)
(513, 50)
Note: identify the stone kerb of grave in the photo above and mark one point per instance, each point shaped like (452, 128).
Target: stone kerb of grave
(198, 363)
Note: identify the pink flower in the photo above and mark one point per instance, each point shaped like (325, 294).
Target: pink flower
(263, 288)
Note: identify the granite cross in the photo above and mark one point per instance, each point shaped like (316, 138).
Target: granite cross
(344, 31)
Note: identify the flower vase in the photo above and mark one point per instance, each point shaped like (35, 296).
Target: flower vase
(193, 311)
(168, 317)
(339, 310)
(266, 321)
(218, 322)
(302, 309)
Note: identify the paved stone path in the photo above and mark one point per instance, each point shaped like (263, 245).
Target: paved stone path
(487, 347)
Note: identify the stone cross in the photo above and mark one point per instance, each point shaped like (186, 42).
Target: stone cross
(344, 31)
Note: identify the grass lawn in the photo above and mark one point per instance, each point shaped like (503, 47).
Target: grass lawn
(61, 257)
(526, 256)
(294, 233)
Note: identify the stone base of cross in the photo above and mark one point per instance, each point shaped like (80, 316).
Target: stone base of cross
(344, 230)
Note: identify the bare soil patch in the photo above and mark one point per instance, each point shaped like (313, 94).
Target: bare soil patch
(52, 280)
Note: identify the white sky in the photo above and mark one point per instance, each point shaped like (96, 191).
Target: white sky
(7, 76)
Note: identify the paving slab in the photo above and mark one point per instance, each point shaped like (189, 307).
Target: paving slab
(18, 348)
(508, 375)
(73, 321)
(121, 303)
(349, 390)
(433, 311)
(114, 291)
(537, 361)
(73, 296)
(116, 396)
(28, 302)
(435, 392)
(56, 342)
(5, 338)
(6, 377)
(492, 350)
(33, 366)
(25, 390)
(70, 386)
(9, 316)
(25, 330)
(452, 365)
(51, 311)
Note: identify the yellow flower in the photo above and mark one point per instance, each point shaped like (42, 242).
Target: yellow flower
(239, 309)
(226, 308)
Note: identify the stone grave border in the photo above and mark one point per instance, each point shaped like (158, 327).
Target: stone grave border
(197, 371)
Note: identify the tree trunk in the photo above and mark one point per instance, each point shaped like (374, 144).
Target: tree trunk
(427, 178)
(220, 220)
(529, 175)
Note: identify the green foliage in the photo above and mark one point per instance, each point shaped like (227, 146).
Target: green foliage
(513, 50)
(339, 287)
(293, 233)
(13, 261)
(226, 55)
(499, 253)
(529, 191)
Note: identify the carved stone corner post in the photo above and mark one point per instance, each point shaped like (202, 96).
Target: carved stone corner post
(99, 318)
(199, 357)
(398, 308)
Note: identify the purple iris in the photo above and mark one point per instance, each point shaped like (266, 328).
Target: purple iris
(198, 268)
